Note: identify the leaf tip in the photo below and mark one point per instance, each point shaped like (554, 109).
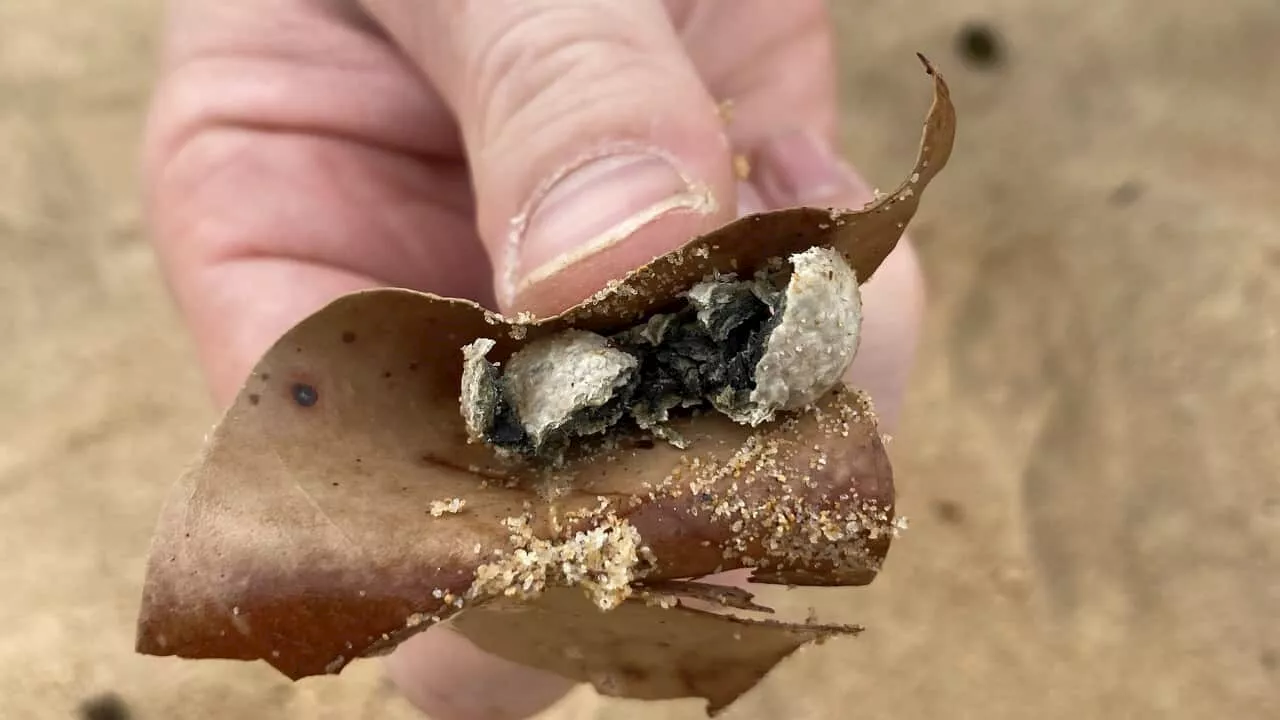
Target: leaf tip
(928, 64)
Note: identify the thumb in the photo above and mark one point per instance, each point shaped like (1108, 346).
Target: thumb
(593, 144)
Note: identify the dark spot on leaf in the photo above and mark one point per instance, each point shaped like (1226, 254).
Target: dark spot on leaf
(305, 395)
(335, 484)
(254, 398)
(386, 374)
(979, 45)
(413, 367)
(298, 349)
(348, 337)
(107, 706)
(949, 511)
(266, 377)
(1127, 193)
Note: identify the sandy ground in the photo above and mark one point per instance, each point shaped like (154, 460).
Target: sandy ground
(1085, 456)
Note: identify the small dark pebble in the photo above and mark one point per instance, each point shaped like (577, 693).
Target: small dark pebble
(305, 395)
(254, 398)
(1269, 659)
(348, 337)
(1127, 193)
(979, 45)
(107, 706)
(949, 511)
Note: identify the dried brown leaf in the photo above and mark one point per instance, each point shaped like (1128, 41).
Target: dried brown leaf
(693, 593)
(642, 650)
(338, 507)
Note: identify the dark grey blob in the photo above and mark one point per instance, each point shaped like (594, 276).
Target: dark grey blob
(107, 706)
(506, 430)
(708, 353)
(305, 395)
(1127, 193)
(979, 45)
(949, 511)
(722, 307)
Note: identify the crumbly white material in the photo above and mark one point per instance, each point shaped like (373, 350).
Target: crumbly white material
(479, 397)
(549, 380)
(602, 560)
(816, 339)
(452, 506)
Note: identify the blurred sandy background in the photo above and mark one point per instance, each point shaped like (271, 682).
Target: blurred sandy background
(1086, 457)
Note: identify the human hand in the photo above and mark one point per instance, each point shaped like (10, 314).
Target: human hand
(520, 154)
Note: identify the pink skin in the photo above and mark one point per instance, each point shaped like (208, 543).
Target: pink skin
(301, 149)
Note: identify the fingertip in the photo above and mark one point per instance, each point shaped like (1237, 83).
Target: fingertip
(800, 166)
(612, 204)
(593, 221)
(447, 677)
(238, 309)
(893, 303)
(570, 278)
